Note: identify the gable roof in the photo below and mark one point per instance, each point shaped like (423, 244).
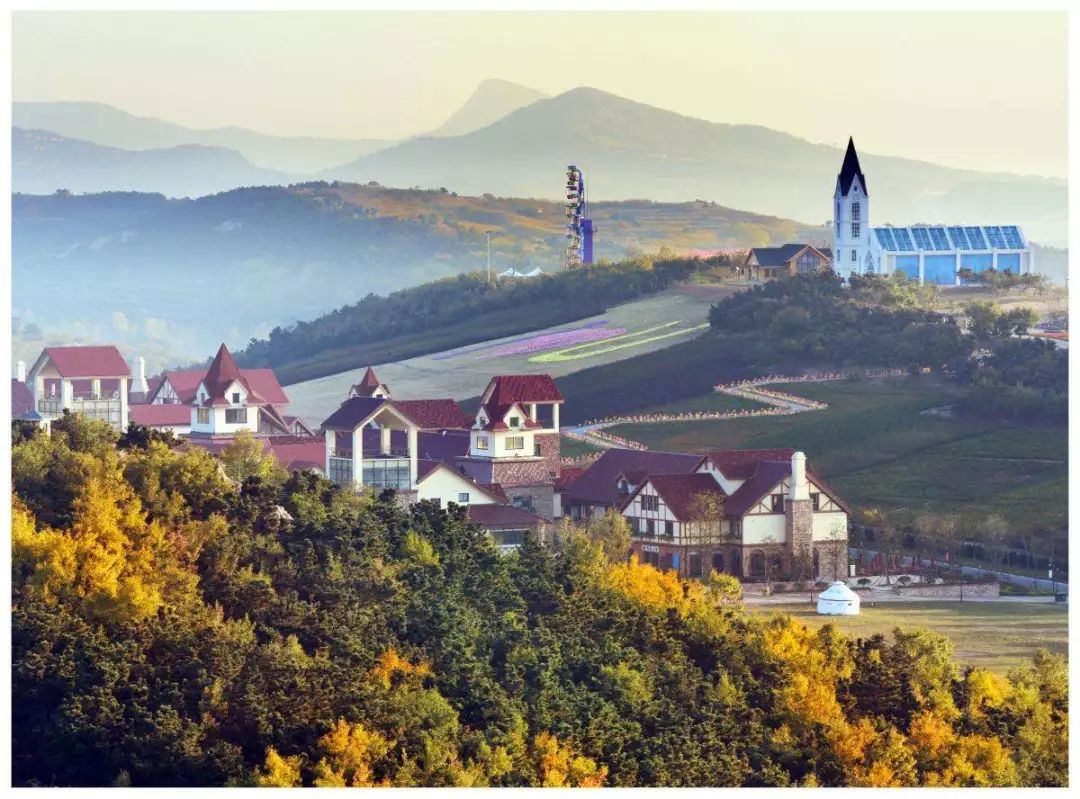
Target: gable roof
(435, 414)
(512, 389)
(353, 412)
(850, 170)
(103, 361)
(739, 464)
(598, 483)
(265, 383)
(680, 492)
(425, 468)
(497, 413)
(775, 256)
(766, 475)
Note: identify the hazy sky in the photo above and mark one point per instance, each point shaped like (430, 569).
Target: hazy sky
(985, 90)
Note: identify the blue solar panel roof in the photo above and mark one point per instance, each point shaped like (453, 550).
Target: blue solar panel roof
(938, 238)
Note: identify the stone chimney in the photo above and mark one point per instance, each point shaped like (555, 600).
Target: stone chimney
(800, 488)
(20, 371)
(799, 521)
(140, 385)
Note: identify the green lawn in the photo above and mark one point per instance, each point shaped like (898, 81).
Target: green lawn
(705, 402)
(995, 635)
(876, 448)
(572, 448)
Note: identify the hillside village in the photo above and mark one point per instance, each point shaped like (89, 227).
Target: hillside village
(753, 514)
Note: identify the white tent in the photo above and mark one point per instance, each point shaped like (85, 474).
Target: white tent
(511, 272)
(535, 272)
(838, 600)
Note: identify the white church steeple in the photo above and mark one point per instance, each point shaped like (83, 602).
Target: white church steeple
(851, 219)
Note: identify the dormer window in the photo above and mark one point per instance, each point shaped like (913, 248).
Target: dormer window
(515, 422)
(236, 398)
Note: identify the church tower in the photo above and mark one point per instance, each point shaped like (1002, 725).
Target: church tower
(851, 219)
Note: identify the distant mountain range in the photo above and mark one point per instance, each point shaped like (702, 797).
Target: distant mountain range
(44, 162)
(172, 277)
(628, 149)
(98, 123)
(510, 140)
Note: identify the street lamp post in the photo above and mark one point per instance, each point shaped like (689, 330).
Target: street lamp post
(487, 235)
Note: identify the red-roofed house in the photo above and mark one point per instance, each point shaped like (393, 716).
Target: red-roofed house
(515, 440)
(370, 386)
(750, 513)
(89, 380)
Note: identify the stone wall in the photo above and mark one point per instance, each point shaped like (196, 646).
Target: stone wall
(799, 532)
(550, 445)
(950, 590)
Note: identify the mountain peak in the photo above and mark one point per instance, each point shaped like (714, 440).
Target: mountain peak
(492, 100)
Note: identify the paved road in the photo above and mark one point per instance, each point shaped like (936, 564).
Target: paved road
(1005, 577)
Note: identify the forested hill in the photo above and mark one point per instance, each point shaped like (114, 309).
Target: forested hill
(453, 312)
(172, 628)
(81, 262)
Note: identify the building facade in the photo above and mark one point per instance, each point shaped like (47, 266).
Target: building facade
(935, 254)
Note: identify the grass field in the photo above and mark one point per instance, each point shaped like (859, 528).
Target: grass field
(994, 635)
(572, 448)
(878, 450)
(704, 402)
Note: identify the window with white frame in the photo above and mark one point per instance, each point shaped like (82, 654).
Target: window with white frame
(463, 498)
(236, 415)
(202, 416)
(515, 443)
(515, 422)
(481, 442)
(650, 502)
(236, 398)
(856, 219)
(854, 257)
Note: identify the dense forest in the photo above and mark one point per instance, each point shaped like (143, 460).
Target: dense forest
(172, 625)
(452, 312)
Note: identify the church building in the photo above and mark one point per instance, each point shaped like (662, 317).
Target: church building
(928, 253)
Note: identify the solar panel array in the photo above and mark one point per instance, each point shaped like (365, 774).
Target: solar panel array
(943, 239)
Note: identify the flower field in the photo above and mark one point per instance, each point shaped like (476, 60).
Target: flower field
(614, 343)
(561, 339)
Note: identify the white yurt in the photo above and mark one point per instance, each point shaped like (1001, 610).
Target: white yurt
(838, 600)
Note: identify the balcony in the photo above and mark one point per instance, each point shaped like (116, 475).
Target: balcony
(380, 472)
(106, 410)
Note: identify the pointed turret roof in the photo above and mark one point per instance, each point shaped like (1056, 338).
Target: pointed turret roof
(223, 372)
(851, 169)
(368, 385)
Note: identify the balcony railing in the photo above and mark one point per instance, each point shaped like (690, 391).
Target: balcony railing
(106, 410)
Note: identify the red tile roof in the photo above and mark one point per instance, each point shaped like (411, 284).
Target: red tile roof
(503, 517)
(223, 372)
(265, 383)
(510, 389)
(567, 475)
(435, 414)
(160, 415)
(299, 452)
(766, 475)
(739, 464)
(88, 361)
(682, 492)
(597, 485)
(368, 384)
(22, 399)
